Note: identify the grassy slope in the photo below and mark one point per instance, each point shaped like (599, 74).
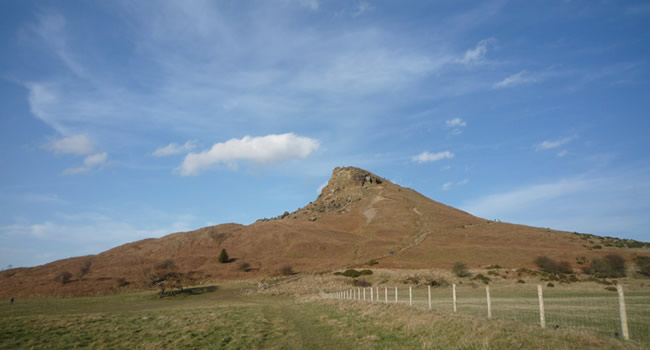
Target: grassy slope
(225, 319)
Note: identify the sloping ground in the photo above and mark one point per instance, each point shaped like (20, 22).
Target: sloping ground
(357, 217)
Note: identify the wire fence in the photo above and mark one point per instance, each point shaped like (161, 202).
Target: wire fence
(607, 312)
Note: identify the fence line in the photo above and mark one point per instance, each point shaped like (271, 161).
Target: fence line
(600, 311)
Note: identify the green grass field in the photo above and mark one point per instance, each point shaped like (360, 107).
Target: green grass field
(226, 319)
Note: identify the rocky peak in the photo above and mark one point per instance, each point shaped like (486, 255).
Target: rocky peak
(347, 186)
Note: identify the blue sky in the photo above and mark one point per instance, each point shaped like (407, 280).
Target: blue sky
(123, 120)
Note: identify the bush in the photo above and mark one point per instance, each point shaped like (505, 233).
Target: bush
(351, 273)
(223, 256)
(611, 289)
(460, 270)
(361, 283)
(643, 263)
(550, 285)
(482, 278)
(244, 266)
(549, 265)
(521, 281)
(286, 270)
(166, 264)
(64, 277)
(372, 262)
(439, 283)
(365, 272)
(84, 269)
(611, 265)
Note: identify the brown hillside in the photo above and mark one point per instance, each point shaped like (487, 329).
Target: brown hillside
(358, 216)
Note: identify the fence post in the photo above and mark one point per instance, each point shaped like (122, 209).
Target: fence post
(396, 300)
(454, 295)
(489, 303)
(359, 293)
(410, 296)
(364, 294)
(371, 295)
(429, 287)
(623, 312)
(386, 295)
(540, 297)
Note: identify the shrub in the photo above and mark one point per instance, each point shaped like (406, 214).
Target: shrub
(439, 283)
(365, 272)
(223, 256)
(521, 281)
(611, 289)
(64, 277)
(372, 262)
(643, 263)
(361, 283)
(611, 265)
(244, 266)
(351, 273)
(286, 270)
(482, 278)
(550, 285)
(549, 265)
(460, 269)
(411, 280)
(494, 267)
(84, 269)
(166, 264)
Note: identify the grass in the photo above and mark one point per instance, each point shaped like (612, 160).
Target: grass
(228, 319)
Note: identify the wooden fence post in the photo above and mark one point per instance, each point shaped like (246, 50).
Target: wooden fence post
(364, 294)
(371, 295)
(540, 297)
(489, 303)
(396, 300)
(623, 312)
(386, 295)
(429, 287)
(454, 296)
(410, 296)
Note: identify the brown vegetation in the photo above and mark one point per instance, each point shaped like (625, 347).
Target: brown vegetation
(357, 220)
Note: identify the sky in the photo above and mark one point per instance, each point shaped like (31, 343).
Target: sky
(124, 120)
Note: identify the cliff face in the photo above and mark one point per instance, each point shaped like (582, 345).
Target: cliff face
(357, 217)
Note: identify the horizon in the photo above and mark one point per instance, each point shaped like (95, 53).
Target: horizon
(123, 121)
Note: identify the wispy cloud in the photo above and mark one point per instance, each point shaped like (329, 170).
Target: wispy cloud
(270, 149)
(90, 162)
(427, 157)
(550, 144)
(363, 8)
(477, 54)
(77, 144)
(456, 124)
(174, 148)
(447, 186)
(516, 79)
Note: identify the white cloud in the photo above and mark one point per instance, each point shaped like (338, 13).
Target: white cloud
(447, 186)
(516, 79)
(456, 122)
(268, 149)
(554, 144)
(174, 148)
(77, 144)
(90, 162)
(562, 153)
(363, 7)
(477, 54)
(426, 157)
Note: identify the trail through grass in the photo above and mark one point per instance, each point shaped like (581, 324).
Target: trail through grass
(225, 319)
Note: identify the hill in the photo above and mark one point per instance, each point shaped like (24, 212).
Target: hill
(358, 216)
